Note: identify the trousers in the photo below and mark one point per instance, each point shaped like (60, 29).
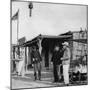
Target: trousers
(37, 69)
(55, 72)
(59, 71)
(66, 73)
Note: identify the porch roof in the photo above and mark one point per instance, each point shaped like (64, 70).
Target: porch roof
(50, 37)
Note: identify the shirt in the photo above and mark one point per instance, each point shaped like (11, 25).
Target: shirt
(66, 56)
(36, 56)
(56, 58)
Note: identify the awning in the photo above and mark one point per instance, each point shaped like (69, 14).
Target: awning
(51, 37)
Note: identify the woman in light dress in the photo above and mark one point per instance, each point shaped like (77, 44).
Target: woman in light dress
(21, 62)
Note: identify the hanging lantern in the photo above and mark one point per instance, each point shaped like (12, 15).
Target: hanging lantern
(30, 7)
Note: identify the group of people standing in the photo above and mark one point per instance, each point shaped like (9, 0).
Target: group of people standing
(18, 61)
(60, 58)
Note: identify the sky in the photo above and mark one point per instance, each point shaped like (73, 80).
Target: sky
(47, 19)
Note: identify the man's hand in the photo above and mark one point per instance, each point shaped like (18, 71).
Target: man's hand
(32, 65)
(33, 59)
(51, 62)
(61, 58)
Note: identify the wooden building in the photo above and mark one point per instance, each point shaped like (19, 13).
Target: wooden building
(77, 41)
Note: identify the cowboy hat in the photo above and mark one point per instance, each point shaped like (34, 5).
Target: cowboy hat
(65, 43)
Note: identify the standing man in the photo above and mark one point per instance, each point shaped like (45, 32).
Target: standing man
(66, 62)
(36, 62)
(60, 67)
(55, 60)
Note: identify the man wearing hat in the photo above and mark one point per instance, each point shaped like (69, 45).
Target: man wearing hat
(56, 62)
(66, 62)
(36, 57)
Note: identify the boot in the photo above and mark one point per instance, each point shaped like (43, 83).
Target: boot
(39, 75)
(35, 75)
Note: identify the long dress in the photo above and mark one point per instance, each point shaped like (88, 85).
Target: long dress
(21, 64)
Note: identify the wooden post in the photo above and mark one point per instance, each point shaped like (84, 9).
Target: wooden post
(25, 59)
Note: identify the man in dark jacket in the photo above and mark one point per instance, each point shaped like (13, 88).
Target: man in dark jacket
(36, 62)
(56, 62)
